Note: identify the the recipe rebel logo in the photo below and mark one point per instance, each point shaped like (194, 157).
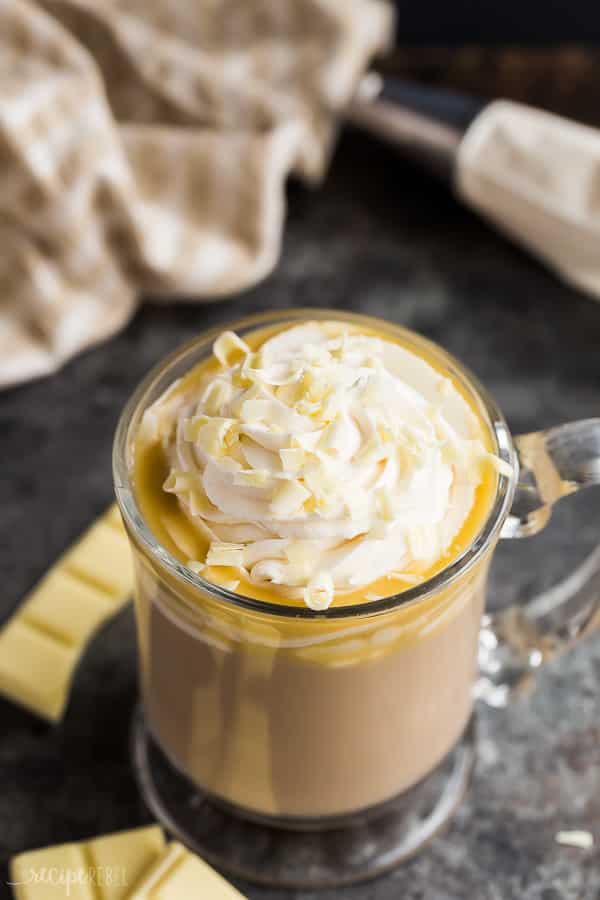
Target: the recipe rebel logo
(64, 879)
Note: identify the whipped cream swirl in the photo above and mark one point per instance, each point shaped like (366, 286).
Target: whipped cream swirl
(322, 462)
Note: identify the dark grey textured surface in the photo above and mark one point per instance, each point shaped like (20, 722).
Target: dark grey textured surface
(377, 238)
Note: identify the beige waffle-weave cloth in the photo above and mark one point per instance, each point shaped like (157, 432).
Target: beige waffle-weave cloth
(144, 148)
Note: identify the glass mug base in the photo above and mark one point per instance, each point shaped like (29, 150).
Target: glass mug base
(310, 854)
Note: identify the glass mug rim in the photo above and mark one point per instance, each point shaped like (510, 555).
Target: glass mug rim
(161, 376)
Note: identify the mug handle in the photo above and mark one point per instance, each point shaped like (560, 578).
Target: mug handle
(516, 641)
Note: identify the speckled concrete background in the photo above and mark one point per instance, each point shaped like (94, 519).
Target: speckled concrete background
(378, 238)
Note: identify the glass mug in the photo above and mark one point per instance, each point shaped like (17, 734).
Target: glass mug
(305, 748)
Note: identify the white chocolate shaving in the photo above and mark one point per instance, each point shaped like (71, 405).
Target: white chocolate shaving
(318, 594)
(229, 348)
(288, 498)
(371, 596)
(582, 840)
(501, 466)
(225, 554)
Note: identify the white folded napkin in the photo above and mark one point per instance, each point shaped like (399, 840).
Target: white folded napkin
(144, 146)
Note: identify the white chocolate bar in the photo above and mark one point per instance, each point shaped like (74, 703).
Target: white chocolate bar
(181, 875)
(42, 642)
(105, 868)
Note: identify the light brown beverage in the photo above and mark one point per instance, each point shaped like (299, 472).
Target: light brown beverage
(319, 730)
